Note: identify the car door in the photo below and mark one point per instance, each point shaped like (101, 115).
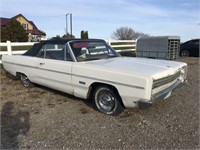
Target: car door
(54, 69)
(195, 47)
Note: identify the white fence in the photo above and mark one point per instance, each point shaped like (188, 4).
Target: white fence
(120, 45)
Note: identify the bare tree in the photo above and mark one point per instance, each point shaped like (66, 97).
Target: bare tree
(127, 33)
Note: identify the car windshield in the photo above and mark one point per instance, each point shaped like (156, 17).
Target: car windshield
(92, 50)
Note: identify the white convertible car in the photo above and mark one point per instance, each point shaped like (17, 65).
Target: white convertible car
(91, 69)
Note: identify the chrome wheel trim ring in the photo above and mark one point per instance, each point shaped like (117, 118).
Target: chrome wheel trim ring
(106, 100)
(25, 80)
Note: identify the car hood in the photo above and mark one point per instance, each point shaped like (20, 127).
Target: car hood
(140, 66)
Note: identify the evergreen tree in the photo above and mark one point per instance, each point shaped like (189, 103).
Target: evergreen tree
(13, 32)
(84, 34)
(68, 36)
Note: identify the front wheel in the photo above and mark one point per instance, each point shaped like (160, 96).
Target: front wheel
(185, 53)
(25, 81)
(107, 100)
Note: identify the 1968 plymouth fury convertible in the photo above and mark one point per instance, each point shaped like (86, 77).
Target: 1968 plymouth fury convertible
(91, 69)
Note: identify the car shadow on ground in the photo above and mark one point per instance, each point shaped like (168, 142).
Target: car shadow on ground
(13, 125)
(88, 102)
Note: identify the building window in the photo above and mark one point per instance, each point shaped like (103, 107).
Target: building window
(25, 26)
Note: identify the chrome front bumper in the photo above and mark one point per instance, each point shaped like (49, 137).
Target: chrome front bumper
(161, 95)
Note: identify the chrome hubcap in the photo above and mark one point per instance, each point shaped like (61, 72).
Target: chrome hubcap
(25, 80)
(106, 100)
(185, 53)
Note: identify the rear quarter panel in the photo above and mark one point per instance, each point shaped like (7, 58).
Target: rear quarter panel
(21, 64)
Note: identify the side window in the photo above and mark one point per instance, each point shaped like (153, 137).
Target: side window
(54, 51)
(196, 42)
(41, 53)
(67, 55)
(193, 44)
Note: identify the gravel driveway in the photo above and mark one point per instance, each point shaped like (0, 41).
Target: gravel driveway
(41, 118)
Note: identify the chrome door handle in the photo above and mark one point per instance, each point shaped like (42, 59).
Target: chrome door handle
(41, 63)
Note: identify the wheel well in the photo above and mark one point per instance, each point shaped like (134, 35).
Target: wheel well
(18, 75)
(184, 50)
(95, 84)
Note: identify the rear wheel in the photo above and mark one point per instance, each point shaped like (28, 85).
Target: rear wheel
(107, 100)
(185, 53)
(25, 81)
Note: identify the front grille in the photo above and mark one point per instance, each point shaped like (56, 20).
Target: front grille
(166, 80)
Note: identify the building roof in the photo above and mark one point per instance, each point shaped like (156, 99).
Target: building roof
(4, 21)
(19, 15)
(35, 31)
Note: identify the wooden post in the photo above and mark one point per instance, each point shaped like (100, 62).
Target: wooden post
(109, 43)
(9, 49)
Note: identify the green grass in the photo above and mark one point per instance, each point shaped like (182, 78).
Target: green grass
(123, 48)
(128, 54)
(15, 48)
(122, 43)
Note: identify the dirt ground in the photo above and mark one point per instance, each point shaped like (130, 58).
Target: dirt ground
(41, 118)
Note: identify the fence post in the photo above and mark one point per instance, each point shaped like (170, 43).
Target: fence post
(9, 49)
(109, 43)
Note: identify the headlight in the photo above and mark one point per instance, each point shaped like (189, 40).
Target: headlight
(183, 73)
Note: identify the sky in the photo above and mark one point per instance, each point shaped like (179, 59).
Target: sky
(102, 17)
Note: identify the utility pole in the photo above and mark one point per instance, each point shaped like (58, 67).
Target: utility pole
(70, 24)
(66, 24)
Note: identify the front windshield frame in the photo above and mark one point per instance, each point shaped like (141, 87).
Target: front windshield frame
(85, 54)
